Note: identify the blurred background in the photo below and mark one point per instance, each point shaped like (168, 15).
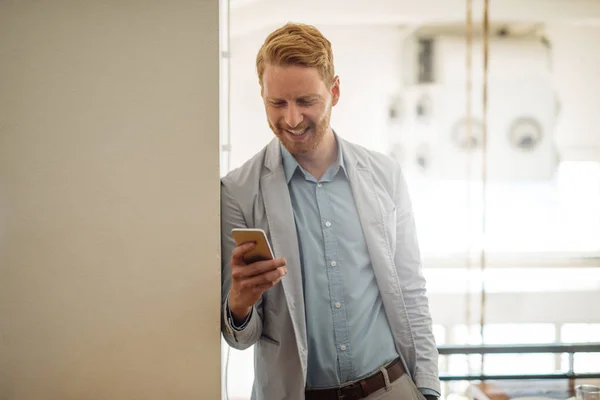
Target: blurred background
(496, 127)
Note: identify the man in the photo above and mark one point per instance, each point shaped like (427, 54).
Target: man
(342, 312)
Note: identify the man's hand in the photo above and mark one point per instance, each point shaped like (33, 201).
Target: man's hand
(250, 281)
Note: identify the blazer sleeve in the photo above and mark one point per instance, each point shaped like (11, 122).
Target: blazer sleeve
(238, 337)
(412, 281)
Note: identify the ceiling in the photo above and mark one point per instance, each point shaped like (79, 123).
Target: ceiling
(251, 15)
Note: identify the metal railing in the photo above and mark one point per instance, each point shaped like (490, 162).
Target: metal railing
(562, 348)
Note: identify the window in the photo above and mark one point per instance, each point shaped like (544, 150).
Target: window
(582, 333)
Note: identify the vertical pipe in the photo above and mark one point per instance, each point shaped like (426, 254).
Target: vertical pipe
(468, 114)
(484, 168)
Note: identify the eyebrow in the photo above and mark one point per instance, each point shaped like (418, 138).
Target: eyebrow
(310, 97)
(305, 97)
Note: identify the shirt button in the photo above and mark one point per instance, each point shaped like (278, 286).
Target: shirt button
(343, 348)
(319, 184)
(333, 263)
(337, 305)
(328, 224)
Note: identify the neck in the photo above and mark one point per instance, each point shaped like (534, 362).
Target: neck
(317, 161)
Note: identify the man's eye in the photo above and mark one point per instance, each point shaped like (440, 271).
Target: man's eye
(305, 102)
(277, 103)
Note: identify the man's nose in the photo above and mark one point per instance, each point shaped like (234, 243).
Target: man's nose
(293, 116)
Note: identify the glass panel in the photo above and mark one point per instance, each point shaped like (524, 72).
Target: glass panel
(519, 333)
(512, 280)
(439, 332)
(582, 333)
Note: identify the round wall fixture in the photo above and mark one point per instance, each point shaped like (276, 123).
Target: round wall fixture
(396, 110)
(525, 133)
(423, 157)
(461, 138)
(424, 108)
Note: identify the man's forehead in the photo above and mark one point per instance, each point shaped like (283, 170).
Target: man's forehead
(289, 89)
(292, 76)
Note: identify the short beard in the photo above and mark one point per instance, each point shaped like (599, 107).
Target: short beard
(317, 132)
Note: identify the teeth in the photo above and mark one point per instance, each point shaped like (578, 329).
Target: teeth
(298, 133)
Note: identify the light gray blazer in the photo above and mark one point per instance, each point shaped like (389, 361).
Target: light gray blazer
(256, 196)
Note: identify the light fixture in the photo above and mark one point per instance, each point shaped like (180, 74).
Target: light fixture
(525, 133)
(461, 138)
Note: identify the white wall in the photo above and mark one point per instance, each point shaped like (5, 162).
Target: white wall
(576, 66)
(109, 200)
(368, 63)
(248, 124)
(519, 86)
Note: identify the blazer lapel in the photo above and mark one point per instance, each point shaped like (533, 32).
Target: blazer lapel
(369, 208)
(284, 240)
(363, 189)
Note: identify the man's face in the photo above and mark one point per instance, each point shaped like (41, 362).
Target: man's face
(298, 106)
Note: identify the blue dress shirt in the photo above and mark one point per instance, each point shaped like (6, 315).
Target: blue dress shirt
(348, 333)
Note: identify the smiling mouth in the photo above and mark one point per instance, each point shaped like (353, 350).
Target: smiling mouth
(297, 133)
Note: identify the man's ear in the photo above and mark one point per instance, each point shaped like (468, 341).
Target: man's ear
(335, 91)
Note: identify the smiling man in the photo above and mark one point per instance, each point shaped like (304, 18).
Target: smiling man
(342, 312)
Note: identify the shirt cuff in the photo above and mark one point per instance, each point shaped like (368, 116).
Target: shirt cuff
(232, 321)
(429, 392)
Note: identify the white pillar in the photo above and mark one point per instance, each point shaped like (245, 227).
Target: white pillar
(109, 200)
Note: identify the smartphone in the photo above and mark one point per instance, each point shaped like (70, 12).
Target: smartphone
(261, 252)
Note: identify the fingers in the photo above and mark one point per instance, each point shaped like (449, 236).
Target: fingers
(264, 280)
(237, 255)
(266, 286)
(257, 276)
(261, 267)
(257, 268)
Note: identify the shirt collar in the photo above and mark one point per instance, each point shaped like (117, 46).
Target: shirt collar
(290, 165)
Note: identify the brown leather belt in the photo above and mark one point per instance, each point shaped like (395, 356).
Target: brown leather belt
(361, 389)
